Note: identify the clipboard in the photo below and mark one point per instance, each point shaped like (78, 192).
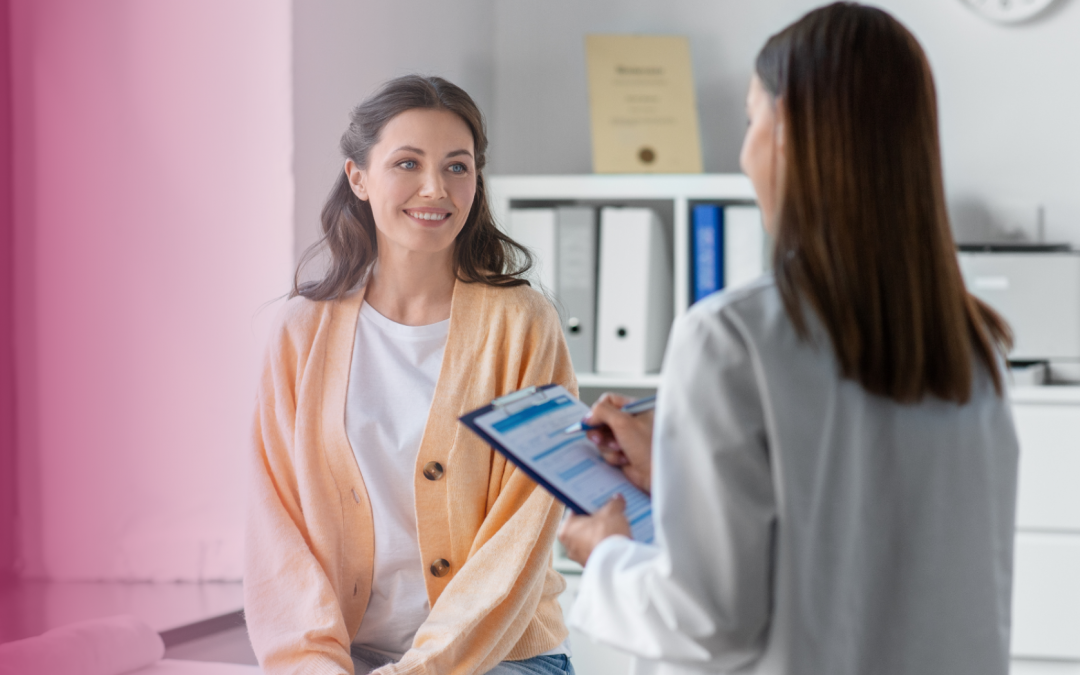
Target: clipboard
(528, 428)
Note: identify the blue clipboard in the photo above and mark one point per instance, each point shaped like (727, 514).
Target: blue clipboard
(528, 428)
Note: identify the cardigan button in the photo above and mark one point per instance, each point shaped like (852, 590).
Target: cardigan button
(440, 568)
(433, 471)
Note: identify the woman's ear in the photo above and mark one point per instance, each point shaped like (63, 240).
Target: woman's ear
(357, 179)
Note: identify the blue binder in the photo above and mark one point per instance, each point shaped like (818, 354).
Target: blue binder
(708, 250)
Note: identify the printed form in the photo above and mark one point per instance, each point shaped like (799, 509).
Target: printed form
(532, 433)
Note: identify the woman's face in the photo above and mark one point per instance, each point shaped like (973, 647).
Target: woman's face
(420, 181)
(762, 156)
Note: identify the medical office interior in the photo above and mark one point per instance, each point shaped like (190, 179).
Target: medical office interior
(162, 167)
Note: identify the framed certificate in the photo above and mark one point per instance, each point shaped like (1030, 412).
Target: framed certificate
(642, 103)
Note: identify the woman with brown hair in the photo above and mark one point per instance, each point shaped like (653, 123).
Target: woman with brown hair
(381, 536)
(833, 465)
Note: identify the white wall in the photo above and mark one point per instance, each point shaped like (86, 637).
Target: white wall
(1009, 96)
(344, 49)
(153, 220)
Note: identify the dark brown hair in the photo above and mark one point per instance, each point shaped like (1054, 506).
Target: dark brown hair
(862, 232)
(482, 253)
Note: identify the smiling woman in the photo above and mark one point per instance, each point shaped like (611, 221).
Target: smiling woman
(420, 184)
(379, 538)
(419, 108)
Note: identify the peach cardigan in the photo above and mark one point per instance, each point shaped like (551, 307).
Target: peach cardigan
(310, 538)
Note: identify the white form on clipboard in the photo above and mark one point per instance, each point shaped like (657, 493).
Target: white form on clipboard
(528, 427)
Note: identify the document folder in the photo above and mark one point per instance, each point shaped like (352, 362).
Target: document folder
(634, 304)
(576, 283)
(708, 247)
(745, 249)
(535, 230)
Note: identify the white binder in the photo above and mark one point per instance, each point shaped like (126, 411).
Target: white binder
(535, 230)
(576, 282)
(745, 248)
(635, 303)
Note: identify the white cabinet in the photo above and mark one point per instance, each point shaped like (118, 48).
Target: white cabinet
(1046, 596)
(1046, 572)
(1049, 491)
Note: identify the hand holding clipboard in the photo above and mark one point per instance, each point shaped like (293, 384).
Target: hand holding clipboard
(529, 428)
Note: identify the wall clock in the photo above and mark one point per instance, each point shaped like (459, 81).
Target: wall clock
(1008, 11)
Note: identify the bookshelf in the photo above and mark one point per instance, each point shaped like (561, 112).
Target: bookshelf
(671, 196)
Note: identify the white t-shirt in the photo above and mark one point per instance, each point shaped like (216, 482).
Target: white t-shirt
(391, 385)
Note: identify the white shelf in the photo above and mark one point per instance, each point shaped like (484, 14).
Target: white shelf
(671, 195)
(1051, 393)
(679, 189)
(728, 186)
(598, 381)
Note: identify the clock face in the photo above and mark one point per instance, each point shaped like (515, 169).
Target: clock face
(1008, 11)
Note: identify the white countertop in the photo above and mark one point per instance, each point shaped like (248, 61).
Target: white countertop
(1059, 394)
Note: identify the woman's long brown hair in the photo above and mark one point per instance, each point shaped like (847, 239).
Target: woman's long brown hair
(482, 253)
(862, 232)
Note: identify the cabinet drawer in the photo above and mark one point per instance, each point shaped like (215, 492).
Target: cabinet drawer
(1049, 488)
(1046, 596)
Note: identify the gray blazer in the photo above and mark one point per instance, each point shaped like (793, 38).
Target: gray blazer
(804, 525)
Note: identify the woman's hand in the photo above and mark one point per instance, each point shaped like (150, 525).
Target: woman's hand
(581, 534)
(626, 442)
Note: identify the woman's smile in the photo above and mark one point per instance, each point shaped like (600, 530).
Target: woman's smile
(428, 217)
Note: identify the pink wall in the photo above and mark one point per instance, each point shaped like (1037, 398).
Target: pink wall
(153, 221)
(7, 363)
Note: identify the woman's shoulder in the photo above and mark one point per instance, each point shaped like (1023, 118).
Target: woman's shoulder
(523, 300)
(298, 313)
(300, 319)
(753, 315)
(755, 302)
(520, 310)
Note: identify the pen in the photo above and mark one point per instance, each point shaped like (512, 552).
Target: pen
(633, 408)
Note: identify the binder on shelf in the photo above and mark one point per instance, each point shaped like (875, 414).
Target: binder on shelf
(729, 248)
(634, 295)
(576, 282)
(745, 247)
(708, 248)
(535, 230)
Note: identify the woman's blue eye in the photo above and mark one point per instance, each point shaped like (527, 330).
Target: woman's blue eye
(458, 168)
(408, 164)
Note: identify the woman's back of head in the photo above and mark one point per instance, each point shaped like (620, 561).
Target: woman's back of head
(862, 232)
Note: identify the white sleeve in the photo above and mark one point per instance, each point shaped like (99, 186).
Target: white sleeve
(701, 593)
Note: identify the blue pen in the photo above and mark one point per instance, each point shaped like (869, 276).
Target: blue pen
(633, 408)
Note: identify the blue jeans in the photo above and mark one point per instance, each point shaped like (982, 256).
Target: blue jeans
(365, 661)
(559, 664)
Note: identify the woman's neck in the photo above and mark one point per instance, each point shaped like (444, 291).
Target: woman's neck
(410, 287)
